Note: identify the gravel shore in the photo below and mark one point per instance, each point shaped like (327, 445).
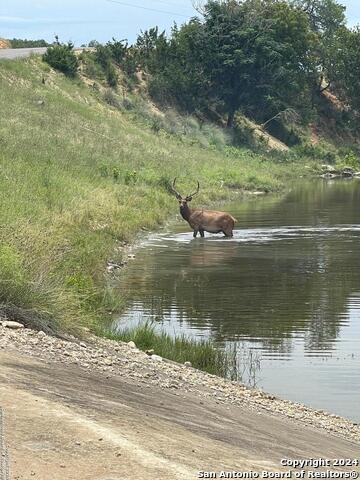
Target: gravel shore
(113, 358)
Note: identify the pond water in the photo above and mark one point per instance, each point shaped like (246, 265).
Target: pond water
(286, 289)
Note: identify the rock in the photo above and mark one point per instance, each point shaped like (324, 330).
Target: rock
(156, 358)
(347, 172)
(132, 344)
(111, 266)
(12, 325)
(149, 352)
(187, 364)
(329, 175)
(329, 169)
(131, 256)
(41, 334)
(83, 345)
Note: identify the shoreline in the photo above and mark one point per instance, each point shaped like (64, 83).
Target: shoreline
(111, 359)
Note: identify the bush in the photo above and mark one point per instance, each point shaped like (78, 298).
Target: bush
(25, 43)
(118, 49)
(111, 99)
(102, 57)
(62, 57)
(110, 75)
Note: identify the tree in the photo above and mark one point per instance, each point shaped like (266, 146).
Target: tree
(102, 56)
(327, 19)
(256, 55)
(61, 56)
(118, 50)
(325, 16)
(347, 75)
(152, 47)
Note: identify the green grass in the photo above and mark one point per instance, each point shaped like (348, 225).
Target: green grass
(201, 353)
(79, 177)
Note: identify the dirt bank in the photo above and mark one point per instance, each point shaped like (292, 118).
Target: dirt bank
(108, 411)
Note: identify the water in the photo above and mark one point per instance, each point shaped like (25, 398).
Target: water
(286, 286)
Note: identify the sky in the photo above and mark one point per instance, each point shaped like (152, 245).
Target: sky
(83, 20)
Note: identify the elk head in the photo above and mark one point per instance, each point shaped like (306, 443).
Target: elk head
(184, 200)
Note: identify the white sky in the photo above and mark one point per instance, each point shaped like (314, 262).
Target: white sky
(84, 20)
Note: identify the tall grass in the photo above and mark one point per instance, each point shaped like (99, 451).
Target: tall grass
(233, 361)
(201, 353)
(78, 178)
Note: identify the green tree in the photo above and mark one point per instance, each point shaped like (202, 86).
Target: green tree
(152, 49)
(61, 56)
(325, 15)
(180, 77)
(347, 75)
(103, 56)
(327, 19)
(256, 55)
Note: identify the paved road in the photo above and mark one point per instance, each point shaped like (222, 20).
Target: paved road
(20, 52)
(60, 420)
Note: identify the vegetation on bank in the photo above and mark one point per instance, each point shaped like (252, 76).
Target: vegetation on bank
(79, 179)
(276, 62)
(87, 159)
(202, 354)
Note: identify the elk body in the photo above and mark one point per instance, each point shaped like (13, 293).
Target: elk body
(201, 220)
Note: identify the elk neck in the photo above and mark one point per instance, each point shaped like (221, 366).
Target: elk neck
(185, 212)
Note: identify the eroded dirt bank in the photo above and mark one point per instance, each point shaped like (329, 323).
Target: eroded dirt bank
(102, 410)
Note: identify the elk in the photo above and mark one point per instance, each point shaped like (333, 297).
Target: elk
(201, 220)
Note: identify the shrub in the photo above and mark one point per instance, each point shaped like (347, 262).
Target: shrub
(111, 99)
(128, 103)
(25, 43)
(102, 57)
(352, 160)
(118, 49)
(91, 68)
(62, 57)
(110, 75)
(130, 177)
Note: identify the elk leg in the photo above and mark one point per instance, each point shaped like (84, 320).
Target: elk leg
(202, 235)
(195, 233)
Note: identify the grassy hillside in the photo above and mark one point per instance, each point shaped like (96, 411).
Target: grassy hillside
(78, 178)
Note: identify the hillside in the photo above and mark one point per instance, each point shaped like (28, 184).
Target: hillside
(81, 178)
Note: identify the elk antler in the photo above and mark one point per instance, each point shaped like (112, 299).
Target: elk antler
(196, 191)
(177, 194)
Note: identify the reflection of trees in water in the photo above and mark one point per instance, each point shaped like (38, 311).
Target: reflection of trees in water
(263, 292)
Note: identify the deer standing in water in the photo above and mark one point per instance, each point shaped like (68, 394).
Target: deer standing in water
(201, 220)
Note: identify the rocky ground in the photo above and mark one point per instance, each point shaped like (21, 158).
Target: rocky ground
(112, 358)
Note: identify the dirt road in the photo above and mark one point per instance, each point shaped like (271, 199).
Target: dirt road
(64, 423)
